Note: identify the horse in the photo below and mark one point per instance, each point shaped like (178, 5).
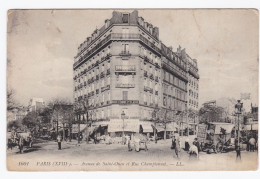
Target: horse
(194, 149)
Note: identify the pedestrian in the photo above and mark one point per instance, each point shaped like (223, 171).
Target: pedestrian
(252, 143)
(177, 147)
(59, 142)
(238, 151)
(197, 144)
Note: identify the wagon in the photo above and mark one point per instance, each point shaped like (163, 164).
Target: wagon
(20, 139)
(138, 142)
(218, 138)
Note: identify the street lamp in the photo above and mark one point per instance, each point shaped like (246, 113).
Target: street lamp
(238, 108)
(123, 117)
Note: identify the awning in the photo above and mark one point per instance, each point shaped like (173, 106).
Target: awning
(147, 127)
(171, 126)
(75, 128)
(158, 128)
(250, 127)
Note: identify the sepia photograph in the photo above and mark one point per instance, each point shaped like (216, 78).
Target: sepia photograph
(132, 90)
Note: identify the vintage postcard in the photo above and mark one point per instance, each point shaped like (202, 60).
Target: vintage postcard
(132, 90)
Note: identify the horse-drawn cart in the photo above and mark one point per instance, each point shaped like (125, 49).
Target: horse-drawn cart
(138, 142)
(218, 138)
(20, 139)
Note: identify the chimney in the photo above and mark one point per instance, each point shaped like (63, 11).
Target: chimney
(156, 32)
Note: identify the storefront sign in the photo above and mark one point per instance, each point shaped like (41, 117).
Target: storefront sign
(127, 125)
(202, 131)
(121, 85)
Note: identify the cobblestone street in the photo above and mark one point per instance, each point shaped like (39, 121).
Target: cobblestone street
(117, 156)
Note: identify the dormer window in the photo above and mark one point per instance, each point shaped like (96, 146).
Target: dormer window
(125, 18)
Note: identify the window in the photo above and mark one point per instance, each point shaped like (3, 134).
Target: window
(125, 95)
(125, 18)
(125, 47)
(164, 101)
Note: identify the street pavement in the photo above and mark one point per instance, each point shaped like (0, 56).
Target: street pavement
(117, 157)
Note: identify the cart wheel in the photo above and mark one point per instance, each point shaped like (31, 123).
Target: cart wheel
(219, 147)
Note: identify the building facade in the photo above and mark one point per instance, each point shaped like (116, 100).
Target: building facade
(125, 72)
(36, 104)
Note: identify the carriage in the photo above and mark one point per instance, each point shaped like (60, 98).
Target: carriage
(20, 139)
(138, 142)
(218, 138)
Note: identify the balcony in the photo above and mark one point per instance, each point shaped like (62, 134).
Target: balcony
(174, 71)
(157, 65)
(125, 53)
(125, 68)
(125, 36)
(105, 88)
(125, 85)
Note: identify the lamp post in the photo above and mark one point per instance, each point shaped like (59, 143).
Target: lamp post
(238, 108)
(123, 118)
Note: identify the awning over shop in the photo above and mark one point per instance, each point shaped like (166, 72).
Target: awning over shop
(171, 126)
(75, 128)
(147, 126)
(250, 127)
(158, 128)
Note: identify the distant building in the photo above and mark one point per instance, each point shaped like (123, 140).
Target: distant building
(36, 104)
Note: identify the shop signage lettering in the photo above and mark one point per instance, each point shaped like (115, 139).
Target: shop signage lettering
(125, 102)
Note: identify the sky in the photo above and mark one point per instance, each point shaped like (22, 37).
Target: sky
(41, 45)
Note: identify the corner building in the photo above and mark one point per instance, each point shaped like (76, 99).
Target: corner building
(123, 68)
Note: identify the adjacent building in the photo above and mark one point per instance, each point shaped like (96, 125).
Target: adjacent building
(124, 72)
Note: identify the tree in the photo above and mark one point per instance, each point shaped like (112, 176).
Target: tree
(210, 113)
(164, 116)
(30, 120)
(63, 113)
(14, 124)
(11, 103)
